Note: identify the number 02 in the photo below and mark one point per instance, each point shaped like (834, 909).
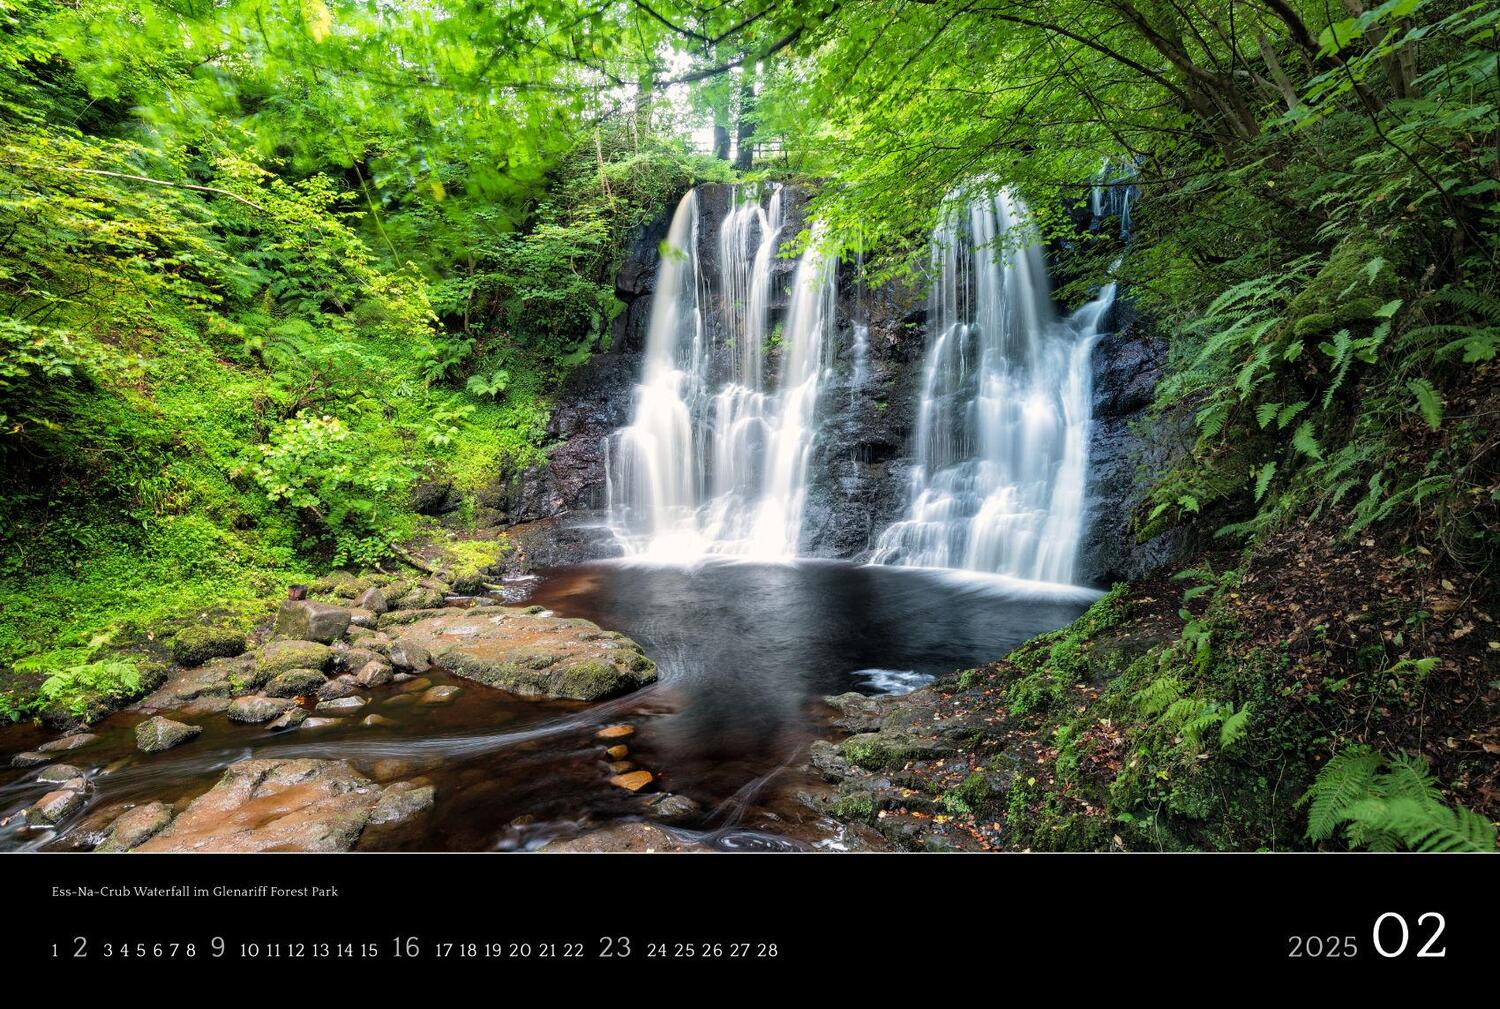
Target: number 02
(1425, 951)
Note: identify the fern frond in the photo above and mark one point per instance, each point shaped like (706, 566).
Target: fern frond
(1345, 780)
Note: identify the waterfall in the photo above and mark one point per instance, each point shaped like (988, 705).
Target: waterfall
(715, 460)
(1113, 195)
(861, 371)
(1003, 422)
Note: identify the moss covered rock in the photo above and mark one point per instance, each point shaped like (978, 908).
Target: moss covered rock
(158, 733)
(193, 646)
(280, 656)
(295, 682)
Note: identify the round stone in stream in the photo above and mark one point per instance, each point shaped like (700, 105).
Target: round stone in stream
(59, 772)
(157, 733)
(615, 732)
(343, 704)
(257, 708)
(54, 807)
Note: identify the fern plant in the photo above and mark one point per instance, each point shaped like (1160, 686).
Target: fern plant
(1387, 803)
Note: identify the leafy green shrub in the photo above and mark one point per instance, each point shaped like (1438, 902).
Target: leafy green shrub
(316, 464)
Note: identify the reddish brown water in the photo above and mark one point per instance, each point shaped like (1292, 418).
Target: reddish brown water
(745, 652)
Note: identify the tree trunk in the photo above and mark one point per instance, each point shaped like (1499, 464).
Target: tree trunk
(744, 127)
(644, 95)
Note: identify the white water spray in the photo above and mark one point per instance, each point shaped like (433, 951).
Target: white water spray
(705, 469)
(1003, 422)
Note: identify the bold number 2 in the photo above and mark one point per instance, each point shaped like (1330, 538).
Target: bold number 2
(1426, 950)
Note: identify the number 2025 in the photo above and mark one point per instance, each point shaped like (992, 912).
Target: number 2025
(1344, 946)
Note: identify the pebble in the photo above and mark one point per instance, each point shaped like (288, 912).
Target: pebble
(615, 732)
(632, 781)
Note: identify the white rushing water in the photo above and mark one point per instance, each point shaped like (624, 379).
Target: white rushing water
(1003, 422)
(718, 464)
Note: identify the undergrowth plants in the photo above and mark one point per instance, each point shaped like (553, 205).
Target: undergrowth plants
(234, 332)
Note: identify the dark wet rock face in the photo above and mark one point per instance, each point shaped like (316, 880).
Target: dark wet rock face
(861, 466)
(1125, 451)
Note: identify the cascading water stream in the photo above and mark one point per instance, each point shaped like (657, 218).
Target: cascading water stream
(1003, 422)
(720, 466)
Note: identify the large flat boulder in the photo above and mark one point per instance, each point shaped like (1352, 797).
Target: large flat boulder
(531, 654)
(274, 805)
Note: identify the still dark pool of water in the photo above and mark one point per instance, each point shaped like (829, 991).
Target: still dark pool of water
(745, 653)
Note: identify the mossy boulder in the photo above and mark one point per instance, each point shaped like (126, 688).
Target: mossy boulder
(530, 654)
(280, 656)
(157, 733)
(420, 598)
(193, 646)
(257, 708)
(295, 682)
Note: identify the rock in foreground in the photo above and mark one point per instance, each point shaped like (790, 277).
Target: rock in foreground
(633, 837)
(274, 805)
(532, 654)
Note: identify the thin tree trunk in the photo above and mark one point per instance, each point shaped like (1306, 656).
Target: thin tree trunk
(744, 129)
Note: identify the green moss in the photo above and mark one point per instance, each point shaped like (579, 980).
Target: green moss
(872, 752)
(856, 807)
(193, 646)
(592, 679)
(281, 656)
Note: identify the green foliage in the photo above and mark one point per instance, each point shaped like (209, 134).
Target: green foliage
(253, 280)
(312, 463)
(1385, 803)
(74, 690)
